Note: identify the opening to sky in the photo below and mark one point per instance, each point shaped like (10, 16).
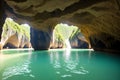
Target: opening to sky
(15, 34)
(62, 35)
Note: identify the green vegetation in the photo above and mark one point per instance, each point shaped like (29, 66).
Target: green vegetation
(64, 31)
(26, 30)
(19, 29)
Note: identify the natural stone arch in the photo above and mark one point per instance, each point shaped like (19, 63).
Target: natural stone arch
(68, 36)
(15, 35)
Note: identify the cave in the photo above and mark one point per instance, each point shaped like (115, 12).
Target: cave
(98, 22)
(88, 51)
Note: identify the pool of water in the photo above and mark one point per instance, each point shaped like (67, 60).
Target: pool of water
(59, 64)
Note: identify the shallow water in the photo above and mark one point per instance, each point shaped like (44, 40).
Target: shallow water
(60, 64)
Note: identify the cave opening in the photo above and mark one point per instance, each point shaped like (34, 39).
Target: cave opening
(15, 35)
(68, 36)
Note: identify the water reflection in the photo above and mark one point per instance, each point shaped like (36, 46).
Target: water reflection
(67, 54)
(14, 64)
(58, 65)
(18, 69)
(67, 63)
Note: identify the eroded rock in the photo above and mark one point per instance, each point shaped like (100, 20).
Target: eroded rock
(40, 40)
(15, 34)
(93, 17)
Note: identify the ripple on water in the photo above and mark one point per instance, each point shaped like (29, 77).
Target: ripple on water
(16, 70)
(66, 75)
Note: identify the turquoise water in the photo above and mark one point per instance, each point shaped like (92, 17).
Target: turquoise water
(59, 64)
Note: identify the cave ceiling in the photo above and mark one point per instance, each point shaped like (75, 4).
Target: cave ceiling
(91, 16)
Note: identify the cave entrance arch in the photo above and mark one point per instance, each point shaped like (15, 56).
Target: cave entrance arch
(15, 35)
(66, 36)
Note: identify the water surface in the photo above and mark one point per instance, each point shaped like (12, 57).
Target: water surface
(60, 64)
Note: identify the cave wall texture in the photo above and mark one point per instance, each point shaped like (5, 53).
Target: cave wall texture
(99, 20)
(2, 16)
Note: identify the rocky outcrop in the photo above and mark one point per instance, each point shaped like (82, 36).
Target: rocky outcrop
(94, 17)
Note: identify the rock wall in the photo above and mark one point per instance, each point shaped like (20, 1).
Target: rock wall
(40, 40)
(105, 42)
(12, 42)
(94, 17)
(2, 16)
(79, 41)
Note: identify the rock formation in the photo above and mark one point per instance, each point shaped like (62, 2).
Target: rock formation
(65, 36)
(15, 34)
(79, 41)
(2, 15)
(99, 20)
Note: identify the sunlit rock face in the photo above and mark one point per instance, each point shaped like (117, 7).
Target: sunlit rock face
(94, 17)
(12, 42)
